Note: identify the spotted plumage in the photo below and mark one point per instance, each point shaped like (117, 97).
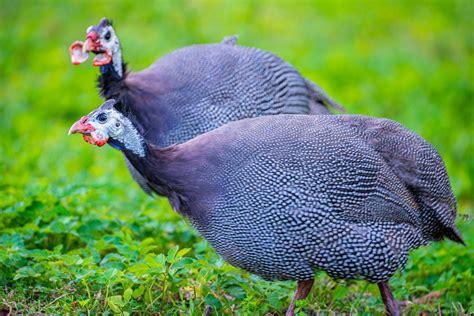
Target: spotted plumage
(198, 88)
(285, 196)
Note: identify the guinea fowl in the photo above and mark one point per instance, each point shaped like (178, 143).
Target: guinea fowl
(198, 88)
(284, 196)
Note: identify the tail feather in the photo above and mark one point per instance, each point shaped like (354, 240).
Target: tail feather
(454, 234)
(321, 99)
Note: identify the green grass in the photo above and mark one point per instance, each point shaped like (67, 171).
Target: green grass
(77, 235)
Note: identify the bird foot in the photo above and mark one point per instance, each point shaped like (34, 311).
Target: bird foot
(403, 304)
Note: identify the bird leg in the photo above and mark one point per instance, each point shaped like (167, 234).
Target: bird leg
(301, 293)
(391, 306)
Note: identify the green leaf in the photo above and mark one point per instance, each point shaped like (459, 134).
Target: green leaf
(236, 291)
(139, 268)
(113, 306)
(172, 254)
(138, 292)
(183, 252)
(148, 296)
(340, 292)
(116, 303)
(182, 262)
(212, 301)
(116, 299)
(127, 295)
(274, 300)
(83, 303)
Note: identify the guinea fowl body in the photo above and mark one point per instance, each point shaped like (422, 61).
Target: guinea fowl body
(285, 196)
(198, 88)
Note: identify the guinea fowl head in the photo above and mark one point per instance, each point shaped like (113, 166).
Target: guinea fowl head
(107, 125)
(101, 40)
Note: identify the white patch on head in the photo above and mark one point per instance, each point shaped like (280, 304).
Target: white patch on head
(111, 123)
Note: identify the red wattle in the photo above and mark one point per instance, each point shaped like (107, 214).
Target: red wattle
(102, 59)
(88, 139)
(77, 54)
(101, 142)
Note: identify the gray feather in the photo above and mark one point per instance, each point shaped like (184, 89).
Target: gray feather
(419, 166)
(283, 196)
(230, 40)
(199, 88)
(321, 102)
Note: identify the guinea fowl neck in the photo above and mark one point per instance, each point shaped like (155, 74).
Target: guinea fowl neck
(116, 66)
(167, 170)
(109, 70)
(110, 82)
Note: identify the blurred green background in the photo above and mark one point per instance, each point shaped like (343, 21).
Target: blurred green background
(76, 234)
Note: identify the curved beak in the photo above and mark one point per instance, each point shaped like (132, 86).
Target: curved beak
(91, 42)
(82, 126)
(89, 133)
(88, 44)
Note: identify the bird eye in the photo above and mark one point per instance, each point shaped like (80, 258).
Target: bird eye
(117, 124)
(102, 118)
(107, 36)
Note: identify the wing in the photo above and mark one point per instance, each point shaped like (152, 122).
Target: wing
(419, 166)
(310, 164)
(199, 88)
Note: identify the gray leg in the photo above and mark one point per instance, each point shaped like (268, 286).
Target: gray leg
(301, 293)
(391, 306)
